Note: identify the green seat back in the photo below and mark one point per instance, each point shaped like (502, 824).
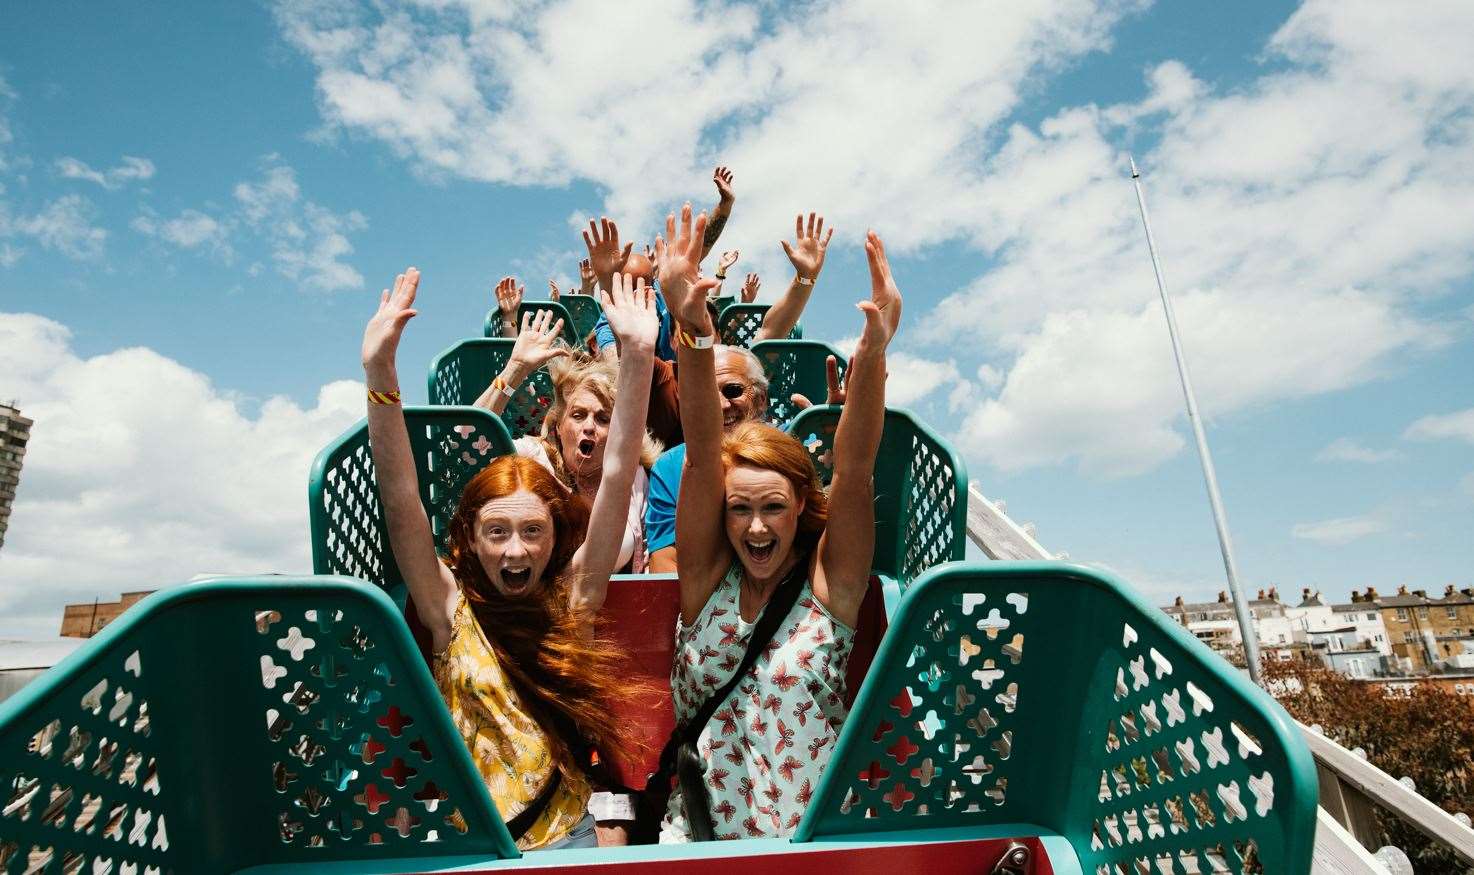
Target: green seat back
(450, 445)
(235, 723)
(1053, 695)
(492, 326)
(920, 490)
(461, 373)
(585, 312)
(723, 302)
(795, 366)
(737, 324)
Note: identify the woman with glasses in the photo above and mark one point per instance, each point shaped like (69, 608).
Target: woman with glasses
(754, 525)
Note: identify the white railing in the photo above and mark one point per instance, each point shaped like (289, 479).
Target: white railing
(1349, 785)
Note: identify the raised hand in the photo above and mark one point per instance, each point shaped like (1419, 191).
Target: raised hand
(553, 293)
(722, 177)
(605, 254)
(749, 288)
(678, 261)
(808, 249)
(727, 260)
(509, 298)
(585, 277)
(381, 336)
(650, 252)
(537, 342)
(836, 389)
(883, 310)
(630, 309)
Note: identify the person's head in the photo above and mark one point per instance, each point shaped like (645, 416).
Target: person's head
(742, 385)
(576, 427)
(514, 531)
(774, 502)
(639, 267)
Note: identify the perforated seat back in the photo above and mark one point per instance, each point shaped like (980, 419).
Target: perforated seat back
(920, 489)
(1052, 695)
(461, 373)
(450, 445)
(234, 723)
(795, 366)
(492, 325)
(584, 310)
(738, 324)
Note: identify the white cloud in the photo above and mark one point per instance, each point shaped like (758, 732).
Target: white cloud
(308, 242)
(64, 225)
(132, 168)
(7, 95)
(1348, 450)
(1343, 530)
(191, 229)
(1458, 425)
(911, 378)
(141, 473)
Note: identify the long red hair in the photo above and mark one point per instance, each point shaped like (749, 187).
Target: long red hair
(565, 677)
(760, 445)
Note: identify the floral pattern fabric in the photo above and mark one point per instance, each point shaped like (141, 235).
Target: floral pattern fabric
(766, 746)
(508, 747)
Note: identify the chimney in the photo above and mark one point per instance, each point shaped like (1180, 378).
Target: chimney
(1222, 597)
(1178, 601)
(1468, 592)
(1402, 590)
(1421, 593)
(1355, 596)
(1305, 594)
(1448, 591)
(1261, 595)
(1371, 595)
(1274, 594)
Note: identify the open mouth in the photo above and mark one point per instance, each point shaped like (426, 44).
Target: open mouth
(586, 448)
(516, 579)
(761, 551)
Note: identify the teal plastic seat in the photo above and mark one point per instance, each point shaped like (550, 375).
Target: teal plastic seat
(450, 445)
(722, 302)
(492, 326)
(227, 724)
(584, 310)
(1053, 695)
(738, 324)
(462, 372)
(920, 492)
(795, 366)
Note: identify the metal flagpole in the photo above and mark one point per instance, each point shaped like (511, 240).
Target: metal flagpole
(1220, 520)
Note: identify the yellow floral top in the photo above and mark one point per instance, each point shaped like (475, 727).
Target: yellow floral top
(508, 747)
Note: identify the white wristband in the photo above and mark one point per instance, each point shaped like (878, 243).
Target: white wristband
(804, 281)
(612, 806)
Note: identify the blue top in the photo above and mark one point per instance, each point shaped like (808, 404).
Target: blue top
(660, 501)
(604, 336)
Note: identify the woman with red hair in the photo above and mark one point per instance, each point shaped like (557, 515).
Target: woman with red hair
(510, 609)
(754, 526)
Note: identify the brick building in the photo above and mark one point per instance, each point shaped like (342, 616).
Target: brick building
(87, 619)
(1427, 633)
(15, 431)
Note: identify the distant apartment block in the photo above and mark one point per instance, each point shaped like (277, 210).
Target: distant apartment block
(87, 619)
(15, 431)
(1428, 634)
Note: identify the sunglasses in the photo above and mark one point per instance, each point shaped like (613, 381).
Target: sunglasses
(733, 391)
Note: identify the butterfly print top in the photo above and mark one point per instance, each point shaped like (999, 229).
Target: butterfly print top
(766, 746)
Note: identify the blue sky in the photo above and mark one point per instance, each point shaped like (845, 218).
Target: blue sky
(199, 202)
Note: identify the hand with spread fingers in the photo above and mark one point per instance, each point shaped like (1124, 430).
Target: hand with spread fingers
(749, 288)
(553, 292)
(722, 178)
(381, 336)
(538, 343)
(678, 262)
(630, 308)
(605, 254)
(808, 249)
(585, 277)
(508, 300)
(883, 309)
(727, 260)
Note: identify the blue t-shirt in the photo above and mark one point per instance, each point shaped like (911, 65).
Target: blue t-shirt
(660, 501)
(604, 335)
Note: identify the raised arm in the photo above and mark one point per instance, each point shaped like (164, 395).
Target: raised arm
(807, 256)
(700, 541)
(537, 344)
(432, 588)
(508, 300)
(605, 255)
(630, 307)
(722, 179)
(847, 547)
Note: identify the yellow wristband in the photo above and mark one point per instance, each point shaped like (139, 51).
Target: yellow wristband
(383, 397)
(693, 341)
(500, 385)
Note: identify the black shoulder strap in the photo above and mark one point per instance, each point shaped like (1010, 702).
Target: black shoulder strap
(519, 825)
(680, 756)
